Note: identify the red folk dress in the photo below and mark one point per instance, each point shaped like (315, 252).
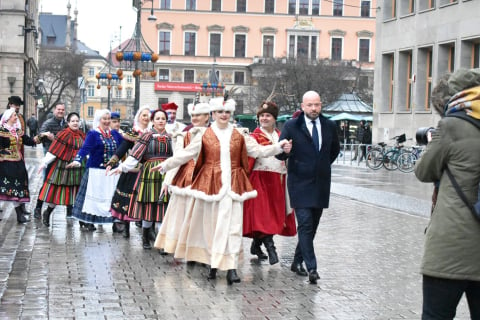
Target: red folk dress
(268, 213)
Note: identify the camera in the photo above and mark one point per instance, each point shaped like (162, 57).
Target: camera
(422, 133)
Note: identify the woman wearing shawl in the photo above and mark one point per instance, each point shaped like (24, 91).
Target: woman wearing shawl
(168, 238)
(13, 173)
(61, 184)
(92, 204)
(151, 149)
(268, 214)
(220, 187)
(451, 259)
(124, 191)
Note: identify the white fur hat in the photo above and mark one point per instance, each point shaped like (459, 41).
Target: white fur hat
(199, 108)
(218, 104)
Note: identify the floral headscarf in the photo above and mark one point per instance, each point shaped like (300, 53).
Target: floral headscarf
(467, 100)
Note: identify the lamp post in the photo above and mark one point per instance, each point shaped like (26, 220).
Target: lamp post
(109, 79)
(213, 87)
(137, 56)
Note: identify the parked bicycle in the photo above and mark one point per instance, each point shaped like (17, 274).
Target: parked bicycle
(391, 158)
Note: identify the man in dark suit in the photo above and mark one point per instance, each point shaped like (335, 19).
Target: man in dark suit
(315, 146)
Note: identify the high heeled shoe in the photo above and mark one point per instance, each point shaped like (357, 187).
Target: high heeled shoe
(212, 274)
(232, 276)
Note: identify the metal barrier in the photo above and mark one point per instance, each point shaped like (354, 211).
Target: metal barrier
(348, 152)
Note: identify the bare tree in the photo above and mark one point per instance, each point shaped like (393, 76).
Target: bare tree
(294, 77)
(60, 71)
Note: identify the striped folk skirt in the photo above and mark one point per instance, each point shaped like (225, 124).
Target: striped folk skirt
(61, 184)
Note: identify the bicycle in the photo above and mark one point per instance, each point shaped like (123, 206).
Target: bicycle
(390, 158)
(374, 156)
(407, 160)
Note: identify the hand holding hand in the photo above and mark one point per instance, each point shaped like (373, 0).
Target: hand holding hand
(73, 164)
(157, 168)
(286, 145)
(109, 172)
(41, 168)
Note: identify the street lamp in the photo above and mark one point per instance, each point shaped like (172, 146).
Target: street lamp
(107, 78)
(213, 87)
(137, 56)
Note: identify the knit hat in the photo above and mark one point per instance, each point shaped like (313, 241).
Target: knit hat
(199, 108)
(463, 79)
(268, 107)
(169, 106)
(219, 104)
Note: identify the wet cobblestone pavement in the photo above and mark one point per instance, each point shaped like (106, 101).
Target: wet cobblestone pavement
(368, 250)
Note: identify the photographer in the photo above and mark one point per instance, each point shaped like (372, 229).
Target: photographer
(451, 260)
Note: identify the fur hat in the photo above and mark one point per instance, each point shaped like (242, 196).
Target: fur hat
(219, 104)
(16, 100)
(199, 108)
(169, 106)
(268, 107)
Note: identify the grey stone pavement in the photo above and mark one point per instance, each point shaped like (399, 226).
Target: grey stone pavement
(369, 246)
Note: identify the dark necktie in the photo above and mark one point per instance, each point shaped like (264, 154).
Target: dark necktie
(315, 135)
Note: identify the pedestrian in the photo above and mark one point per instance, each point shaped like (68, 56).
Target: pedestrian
(219, 189)
(359, 133)
(13, 173)
(48, 131)
(151, 149)
(172, 124)
(92, 204)
(122, 197)
(115, 122)
(169, 238)
(268, 213)
(451, 258)
(315, 146)
(61, 184)
(32, 124)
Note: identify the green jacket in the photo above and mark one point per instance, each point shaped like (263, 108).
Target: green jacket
(452, 244)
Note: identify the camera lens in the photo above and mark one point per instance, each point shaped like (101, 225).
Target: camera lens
(421, 135)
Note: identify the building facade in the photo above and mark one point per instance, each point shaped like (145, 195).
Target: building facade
(240, 35)
(417, 42)
(18, 51)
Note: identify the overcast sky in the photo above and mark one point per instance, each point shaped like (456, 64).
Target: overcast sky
(99, 21)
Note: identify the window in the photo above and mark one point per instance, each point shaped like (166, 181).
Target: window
(240, 41)
(129, 93)
(239, 106)
(164, 4)
(407, 7)
(425, 5)
(162, 101)
(336, 49)
(364, 50)
(90, 110)
(190, 43)
(217, 5)
(191, 5)
(217, 75)
(91, 71)
(388, 77)
(164, 43)
(338, 8)
(292, 6)
(90, 90)
(476, 55)
(239, 77)
(118, 93)
(423, 84)
(315, 7)
(269, 6)
(188, 75)
(405, 80)
(390, 10)
(215, 44)
(365, 9)
(129, 78)
(241, 5)
(163, 75)
(186, 102)
(303, 7)
(268, 46)
(302, 46)
(470, 53)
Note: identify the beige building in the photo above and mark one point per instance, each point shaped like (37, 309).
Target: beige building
(240, 35)
(417, 43)
(18, 52)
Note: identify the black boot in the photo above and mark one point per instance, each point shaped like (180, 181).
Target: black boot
(138, 224)
(46, 216)
(145, 239)
(255, 249)
(126, 230)
(232, 276)
(24, 209)
(69, 212)
(37, 213)
(212, 273)
(152, 233)
(272, 253)
(20, 216)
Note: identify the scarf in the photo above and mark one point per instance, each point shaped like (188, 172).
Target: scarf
(467, 100)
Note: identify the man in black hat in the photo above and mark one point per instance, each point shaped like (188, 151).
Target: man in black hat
(16, 102)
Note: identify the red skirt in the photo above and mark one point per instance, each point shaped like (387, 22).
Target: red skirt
(266, 214)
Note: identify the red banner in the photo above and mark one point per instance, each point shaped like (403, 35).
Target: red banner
(177, 86)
